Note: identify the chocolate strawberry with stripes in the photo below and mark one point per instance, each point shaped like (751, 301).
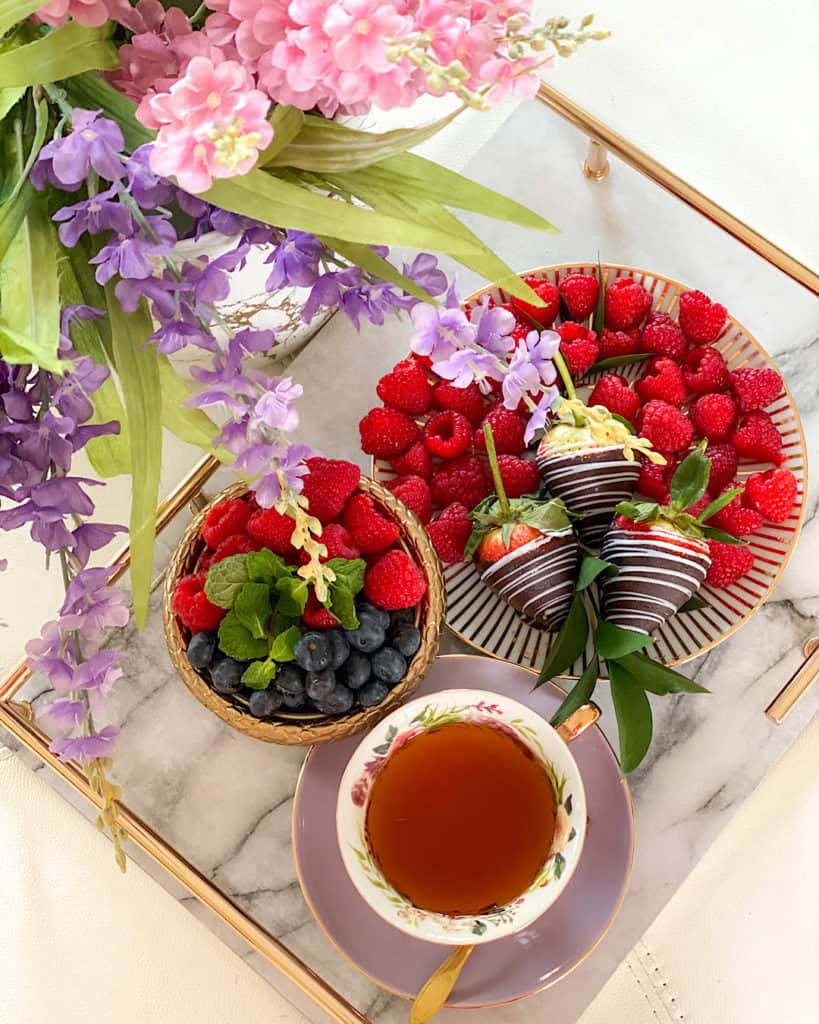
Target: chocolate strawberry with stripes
(525, 549)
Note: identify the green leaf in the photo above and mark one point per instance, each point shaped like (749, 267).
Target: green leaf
(8, 98)
(12, 11)
(225, 580)
(712, 533)
(614, 642)
(590, 568)
(633, 711)
(91, 91)
(349, 571)
(189, 425)
(639, 512)
(569, 643)
(236, 640)
(259, 674)
(286, 123)
(64, 52)
(657, 678)
(579, 694)
(139, 380)
(265, 567)
(614, 361)
(292, 595)
(253, 608)
(560, 864)
(283, 647)
(599, 318)
(693, 604)
(365, 257)
(342, 604)
(724, 499)
(626, 423)
(690, 480)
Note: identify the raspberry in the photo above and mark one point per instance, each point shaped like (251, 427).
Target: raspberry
(328, 485)
(460, 480)
(370, 531)
(614, 344)
(654, 480)
(543, 315)
(613, 392)
(414, 492)
(273, 529)
(394, 581)
(447, 434)
(756, 437)
(665, 426)
(729, 562)
(701, 320)
(406, 388)
(450, 532)
(579, 293)
(338, 542)
(755, 387)
(238, 544)
(736, 519)
(519, 476)
(724, 462)
(713, 416)
(414, 462)
(386, 433)
(468, 401)
(578, 346)
(316, 616)
(192, 607)
(662, 378)
(772, 493)
(223, 520)
(699, 506)
(508, 429)
(663, 336)
(705, 371)
(627, 304)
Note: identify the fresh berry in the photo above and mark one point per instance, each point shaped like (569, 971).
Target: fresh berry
(201, 649)
(316, 616)
(613, 392)
(662, 378)
(663, 336)
(389, 665)
(406, 639)
(338, 542)
(701, 320)
(579, 293)
(318, 685)
(289, 682)
(273, 530)
(578, 346)
(450, 532)
(386, 433)
(223, 520)
(368, 636)
(654, 480)
(394, 581)
(414, 492)
(665, 426)
(507, 428)
(356, 670)
(729, 562)
(369, 530)
(339, 648)
(627, 304)
(460, 480)
(772, 493)
(468, 401)
(337, 702)
(226, 676)
(493, 546)
(713, 416)
(447, 434)
(613, 344)
(756, 437)
(329, 484)
(705, 370)
(312, 652)
(264, 703)
(238, 544)
(414, 462)
(699, 506)
(372, 693)
(406, 388)
(368, 610)
(544, 315)
(519, 476)
(724, 462)
(736, 519)
(755, 387)
(192, 607)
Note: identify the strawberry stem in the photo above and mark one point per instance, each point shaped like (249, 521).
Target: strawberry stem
(492, 455)
(565, 376)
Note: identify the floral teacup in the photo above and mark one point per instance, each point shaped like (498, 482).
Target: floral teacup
(550, 748)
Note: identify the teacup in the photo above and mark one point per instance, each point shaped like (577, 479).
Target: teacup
(548, 746)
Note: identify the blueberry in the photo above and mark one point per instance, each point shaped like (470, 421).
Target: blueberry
(369, 636)
(356, 670)
(293, 701)
(339, 647)
(406, 639)
(264, 703)
(227, 676)
(320, 685)
(402, 617)
(373, 693)
(389, 666)
(289, 682)
(370, 610)
(201, 648)
(337, 702)
(313, 652)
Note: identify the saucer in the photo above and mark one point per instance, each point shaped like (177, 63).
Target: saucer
(509, 968)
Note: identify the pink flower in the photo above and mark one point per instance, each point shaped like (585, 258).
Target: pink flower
(506, 79)
(92, 13)
(360, 30)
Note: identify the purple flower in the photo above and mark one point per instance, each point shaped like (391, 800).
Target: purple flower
(43, 442)
(128, 255)
(493, 327)
(521, 376)
(98, 672)
(45, 654)
(326, 293)
(248, 341)
(99, 213)
(94, 143)
(65, 714)
(99, 605)
(289, 466)
(147, 188)
(176, 334)
(439, 333)
(91, 537)
(160, 290)
(295, 261)
(542, 346)
(85, 748)
(424, 270)
(71, 394)
(466, 365)
(540, 414)
(275, 408)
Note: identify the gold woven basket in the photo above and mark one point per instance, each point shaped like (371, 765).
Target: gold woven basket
(292, 728)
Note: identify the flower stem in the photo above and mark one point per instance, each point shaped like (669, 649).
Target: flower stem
(565, 376)
(492, 455)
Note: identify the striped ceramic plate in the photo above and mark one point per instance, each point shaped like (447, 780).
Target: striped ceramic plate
(482, 619)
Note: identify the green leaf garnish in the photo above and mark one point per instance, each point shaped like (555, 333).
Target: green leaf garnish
(693, 604)
(614, 361)
(284, 645)
(236, 640)
(626, 423)
(266, 567)
(259, 674)
(724, 499)
(579, 694)
(349, 571)
(712, 533)
(599, 318)
(690, 479)
(292, 591)
(591, 567)
(252, 607)
(633, 711)
(569, 643)
(612, 642)
(342, 605)
(656, 677)
(225, 580)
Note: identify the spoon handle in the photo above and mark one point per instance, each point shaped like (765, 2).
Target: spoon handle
(437, 987)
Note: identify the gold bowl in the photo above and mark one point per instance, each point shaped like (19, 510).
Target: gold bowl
(293, 728)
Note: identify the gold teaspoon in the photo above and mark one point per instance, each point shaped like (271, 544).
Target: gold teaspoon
(437, 987)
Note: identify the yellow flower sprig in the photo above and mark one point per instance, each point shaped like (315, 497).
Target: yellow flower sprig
(306, 533)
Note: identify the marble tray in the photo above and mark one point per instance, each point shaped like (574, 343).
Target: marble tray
(223, 801)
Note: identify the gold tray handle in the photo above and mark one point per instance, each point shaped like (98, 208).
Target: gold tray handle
(797, 686)
(578, 722)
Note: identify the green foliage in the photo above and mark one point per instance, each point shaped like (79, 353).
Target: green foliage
(292, 592)
(591, 567)
(634, 722)
(580, 693)
(569, 643)
(253, 608)
(190, 425)
(12, 11)
(225, 580)
(286, 123)
(67, 51)
(613, 642)
(259, 674)
(284, 644)
(265, 567)
(348, 582)
(690, 480)
(236, 640)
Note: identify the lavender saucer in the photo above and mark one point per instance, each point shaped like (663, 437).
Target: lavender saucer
(498, 972)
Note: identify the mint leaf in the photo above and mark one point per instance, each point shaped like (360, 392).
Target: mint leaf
(266, 567)
(690, 480)
(259, 674)
(569, 643)
(225, 580)
(349, 571)
(615, 642)
(342, 605)
(714, 534)
(724, 499)
(626, 508)
(633, 711)
(253, 609)
(236, 640)
(656, 677)
(590, 568)
(283, 647)
(579, 694)
(292, 592)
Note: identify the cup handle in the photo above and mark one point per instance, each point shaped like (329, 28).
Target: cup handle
(578, 722)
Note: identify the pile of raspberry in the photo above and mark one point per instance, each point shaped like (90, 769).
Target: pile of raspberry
(353, 527)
